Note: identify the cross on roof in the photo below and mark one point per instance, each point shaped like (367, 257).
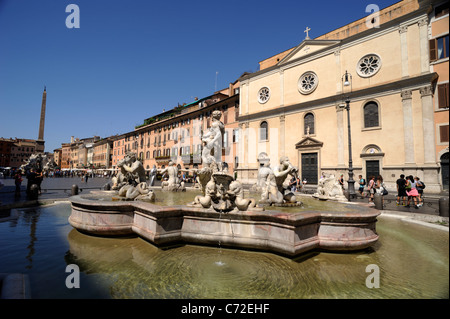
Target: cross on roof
(307, 33)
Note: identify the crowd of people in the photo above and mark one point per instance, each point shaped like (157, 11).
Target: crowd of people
(296, 184)
(409, 189)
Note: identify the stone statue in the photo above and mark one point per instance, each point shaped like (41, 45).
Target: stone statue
(281, 172)
(203, 177)
(173, 183)
(38, 161)
(205, 201)
(131, 180)
(139, 192)
(120, 179)
(134, 168)
(264, 167)
(328, 188)
(237, 190)
(274, 190)
(153, 173)
(221, 191)
(212, 141)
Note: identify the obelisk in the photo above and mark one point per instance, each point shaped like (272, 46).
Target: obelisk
(40, 143)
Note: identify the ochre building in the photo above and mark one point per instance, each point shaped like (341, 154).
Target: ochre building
(384, 66)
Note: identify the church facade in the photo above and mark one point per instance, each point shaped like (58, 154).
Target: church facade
(295, 106)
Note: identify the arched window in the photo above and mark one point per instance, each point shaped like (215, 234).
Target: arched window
(371, 115)
(308, 124)
(263, 131)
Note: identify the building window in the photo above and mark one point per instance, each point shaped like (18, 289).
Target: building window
(368, 66)
(443, 133)
(263, 95)
(443, 95)
(236, 136)
(439, 48)
(371, 115)
(263, 131)
(441, 10)
(308, 122)
(308, 82)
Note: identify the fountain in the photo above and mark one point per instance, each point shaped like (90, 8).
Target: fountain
(247, 226)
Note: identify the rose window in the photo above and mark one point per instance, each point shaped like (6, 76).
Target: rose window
(368, 65)
(263, 95)
(308, 82)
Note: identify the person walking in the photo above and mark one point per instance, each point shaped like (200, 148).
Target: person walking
(380, 187)
(412, 193)
(31, 179)
(18, 181)
(419, 186)
(293, 184)
(401, 190)
(362, 183)
(341, 181)
(39, 178)
(371, 188)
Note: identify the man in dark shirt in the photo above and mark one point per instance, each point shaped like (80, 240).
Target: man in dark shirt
(401, 190)
(31, 179)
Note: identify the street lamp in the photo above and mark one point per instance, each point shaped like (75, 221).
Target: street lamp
(347, 81)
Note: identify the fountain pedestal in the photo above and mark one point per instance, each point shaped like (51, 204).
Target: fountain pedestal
(286, 233)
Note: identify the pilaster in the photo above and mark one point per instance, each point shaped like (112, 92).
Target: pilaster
(408, 131)
(429, 142)
(340, 135)
(423, 40)
(404, 49)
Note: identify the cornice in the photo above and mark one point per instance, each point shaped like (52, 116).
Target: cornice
(390, 26)
(394, 87)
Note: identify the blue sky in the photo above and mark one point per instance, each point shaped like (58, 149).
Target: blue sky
(131, 59)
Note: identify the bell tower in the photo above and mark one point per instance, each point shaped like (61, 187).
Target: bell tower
(40, 143)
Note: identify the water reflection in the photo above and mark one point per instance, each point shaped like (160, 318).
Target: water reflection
(413, 263)
(138, 269)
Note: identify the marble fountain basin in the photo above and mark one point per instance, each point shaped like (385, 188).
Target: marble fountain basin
(286, 233)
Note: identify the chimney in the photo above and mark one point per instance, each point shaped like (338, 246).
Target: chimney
(71, 139)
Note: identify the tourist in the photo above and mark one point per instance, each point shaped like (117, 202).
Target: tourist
(31, 179)
(401, 190)
(412, 193)
(341, 181)
(362, 183)
(419, 186)
(86, 177)
(371, 188)
(380, 187)
(39, 178)
(293, 184)
(18, 181)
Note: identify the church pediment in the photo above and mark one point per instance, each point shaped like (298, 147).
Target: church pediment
(308, 142)
(305, 48)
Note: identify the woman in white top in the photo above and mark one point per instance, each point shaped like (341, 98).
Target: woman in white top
(371, 188)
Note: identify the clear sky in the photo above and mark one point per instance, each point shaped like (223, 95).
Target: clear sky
(131, 59)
